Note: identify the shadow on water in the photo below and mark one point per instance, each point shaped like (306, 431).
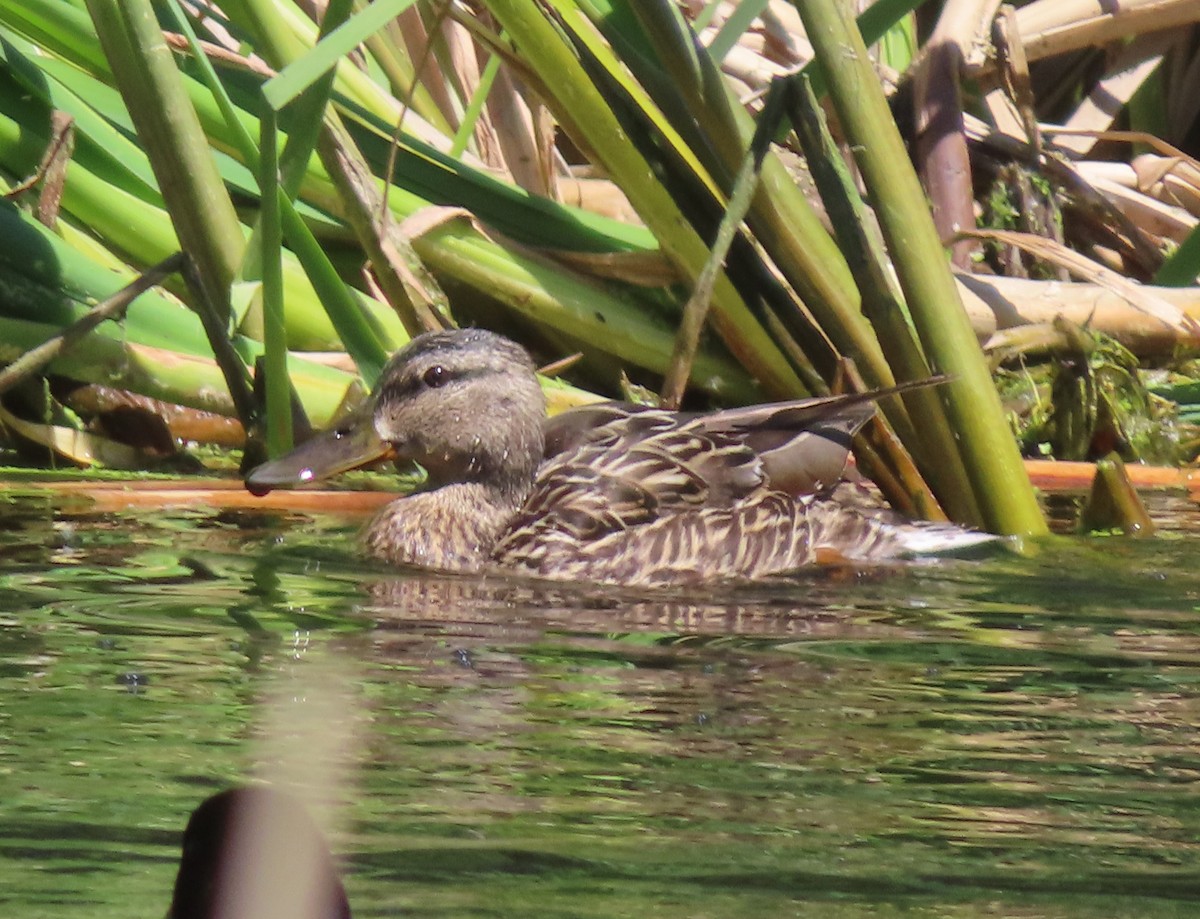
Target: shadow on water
(1000, 735)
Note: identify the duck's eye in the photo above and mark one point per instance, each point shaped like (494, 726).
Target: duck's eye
(436, 376)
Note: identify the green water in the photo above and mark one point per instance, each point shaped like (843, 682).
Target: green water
(999, 736)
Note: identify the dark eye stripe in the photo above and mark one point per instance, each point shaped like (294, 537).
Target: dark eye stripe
(411, 385)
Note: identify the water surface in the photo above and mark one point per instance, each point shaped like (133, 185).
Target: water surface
(1001, 735)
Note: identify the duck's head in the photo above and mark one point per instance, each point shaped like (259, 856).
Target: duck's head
(464, 404)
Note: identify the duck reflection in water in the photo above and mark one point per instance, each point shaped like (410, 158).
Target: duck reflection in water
(256, 853)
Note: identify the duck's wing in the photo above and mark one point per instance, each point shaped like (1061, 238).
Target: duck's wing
(636, 469)
(651, 500)
(614, 466)
(567, 430)
(803, 445)
(638, 495)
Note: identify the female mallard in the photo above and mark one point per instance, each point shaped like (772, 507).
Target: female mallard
(609, 492)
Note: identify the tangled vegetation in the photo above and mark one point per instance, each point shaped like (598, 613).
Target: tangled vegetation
(716, 201)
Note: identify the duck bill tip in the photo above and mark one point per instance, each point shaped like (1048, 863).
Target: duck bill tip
(324, 456)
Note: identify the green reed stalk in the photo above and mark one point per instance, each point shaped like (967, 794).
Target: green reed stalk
(988, 450)
(581, 104)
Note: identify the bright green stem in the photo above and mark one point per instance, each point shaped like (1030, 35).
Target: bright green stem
(279, 396)
(367, 337)
(109, 359)
(780, 216)
(985, 443)
(582, 105)
(170, 132)
(883, 305)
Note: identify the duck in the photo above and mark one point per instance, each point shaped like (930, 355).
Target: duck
(253, 852)
(611, 493)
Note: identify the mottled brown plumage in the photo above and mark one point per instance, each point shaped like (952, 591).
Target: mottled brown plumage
(611, 492)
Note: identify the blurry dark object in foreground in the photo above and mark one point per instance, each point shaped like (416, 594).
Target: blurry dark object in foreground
(255, 853)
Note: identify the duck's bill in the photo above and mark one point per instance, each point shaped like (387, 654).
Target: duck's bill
(344, 447)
